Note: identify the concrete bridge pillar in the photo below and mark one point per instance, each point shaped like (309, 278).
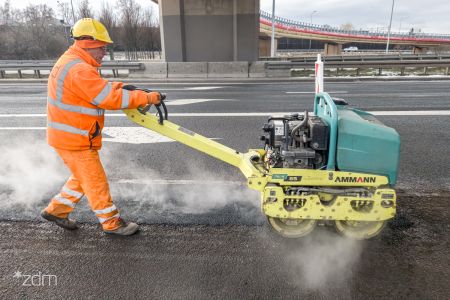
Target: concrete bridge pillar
(332, 49)
(419, 50)
(209, 30)
(265, 45)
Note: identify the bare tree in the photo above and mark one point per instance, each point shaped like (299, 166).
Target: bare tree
(65, 12)
(37, 33)
(130, 20)
(84, 10)
(108, 18)
(42, 33)
(65, 18)
(38, 18)
(5, 13)
(149, 31)
(11, 31)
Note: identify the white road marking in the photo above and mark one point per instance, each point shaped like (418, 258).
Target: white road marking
(312, 92)
(204, 88)
(412, 113)
(133, 135)
(127, 135)
(22, 115)
(398, 95)
(178, 182)
(13, 98)
(23, 128)
(192, 101)
(170, 102)
(258, 114)
(196, 88)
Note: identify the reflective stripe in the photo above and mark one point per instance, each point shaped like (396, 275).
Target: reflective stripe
(103, 220)
(105, 210)
(64, 201)
(103, 94)
(62, 77)
(125, 98)
(72, 193)
(76, 108)
(67, 128)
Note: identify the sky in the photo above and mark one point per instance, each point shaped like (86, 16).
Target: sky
(432, 16)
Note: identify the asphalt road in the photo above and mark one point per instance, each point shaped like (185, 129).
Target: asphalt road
(203, 235)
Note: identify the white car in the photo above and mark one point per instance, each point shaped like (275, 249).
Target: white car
(351, 48)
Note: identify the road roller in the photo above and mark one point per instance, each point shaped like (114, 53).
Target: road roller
(335, 166)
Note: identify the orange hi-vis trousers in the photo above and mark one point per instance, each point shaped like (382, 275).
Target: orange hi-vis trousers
(88, 178)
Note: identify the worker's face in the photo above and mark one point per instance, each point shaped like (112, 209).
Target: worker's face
(97, 53)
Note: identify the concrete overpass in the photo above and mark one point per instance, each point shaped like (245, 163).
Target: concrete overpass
(231, 30)
(335, 37)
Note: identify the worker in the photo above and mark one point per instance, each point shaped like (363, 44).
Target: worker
(76, 102)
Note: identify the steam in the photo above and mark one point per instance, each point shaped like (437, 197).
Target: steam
(31, 173)
(151, 197)
(192, 197)
(324, 260)
(28, 172)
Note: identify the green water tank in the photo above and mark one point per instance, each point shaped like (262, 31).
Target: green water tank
(366, 145)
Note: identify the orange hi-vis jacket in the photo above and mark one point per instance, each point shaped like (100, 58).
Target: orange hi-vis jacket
(77, 99)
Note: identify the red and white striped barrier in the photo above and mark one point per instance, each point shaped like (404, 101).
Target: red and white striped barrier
(319, 74)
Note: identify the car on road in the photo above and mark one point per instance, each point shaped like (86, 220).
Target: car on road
(351, 49)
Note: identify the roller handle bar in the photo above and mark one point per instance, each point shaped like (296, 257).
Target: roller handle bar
(146, 108)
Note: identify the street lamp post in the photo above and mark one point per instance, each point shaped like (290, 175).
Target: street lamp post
(73, 12)
(310, 18)
(272, 40)
(389, 30)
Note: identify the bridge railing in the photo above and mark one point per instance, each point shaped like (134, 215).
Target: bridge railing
(372, 57)
(337, 63)
(325, 28)
(46, 65)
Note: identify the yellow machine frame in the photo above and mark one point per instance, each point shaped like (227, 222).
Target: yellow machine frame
(377, 204)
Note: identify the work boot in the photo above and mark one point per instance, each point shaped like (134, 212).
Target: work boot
(124, 229)
(65, 223)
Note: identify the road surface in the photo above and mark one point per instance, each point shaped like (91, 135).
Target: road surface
(203, 235)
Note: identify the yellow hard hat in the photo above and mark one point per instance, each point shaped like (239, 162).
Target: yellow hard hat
(91, 27)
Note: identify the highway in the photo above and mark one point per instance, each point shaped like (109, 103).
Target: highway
(203, 235)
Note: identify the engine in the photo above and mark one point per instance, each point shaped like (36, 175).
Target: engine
(296, 141)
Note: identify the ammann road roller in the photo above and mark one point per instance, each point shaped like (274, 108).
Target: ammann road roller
(337, 165)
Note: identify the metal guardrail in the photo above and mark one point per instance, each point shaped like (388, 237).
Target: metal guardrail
(382, 57)
(304, 25)
(46, 65)
(377, 63)
(361, 64)
(362, 57)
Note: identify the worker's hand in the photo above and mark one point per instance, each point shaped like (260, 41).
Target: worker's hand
(154, 98)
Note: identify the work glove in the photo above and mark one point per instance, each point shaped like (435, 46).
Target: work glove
(154, 98)
(129, 87)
